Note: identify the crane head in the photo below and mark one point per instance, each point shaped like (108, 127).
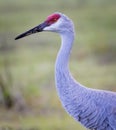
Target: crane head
(56, 22)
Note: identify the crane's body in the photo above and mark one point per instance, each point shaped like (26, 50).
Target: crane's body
(94, 109)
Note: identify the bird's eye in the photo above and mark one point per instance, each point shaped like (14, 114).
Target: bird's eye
(52, 18)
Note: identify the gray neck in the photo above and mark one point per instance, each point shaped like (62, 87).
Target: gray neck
(63, 77)
(64, 52)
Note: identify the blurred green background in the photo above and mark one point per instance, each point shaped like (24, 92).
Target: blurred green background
(28, 98)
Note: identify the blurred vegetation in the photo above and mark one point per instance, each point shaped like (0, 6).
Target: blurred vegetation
(28, 96)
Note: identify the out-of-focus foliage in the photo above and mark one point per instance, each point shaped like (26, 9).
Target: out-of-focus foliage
(27, 65)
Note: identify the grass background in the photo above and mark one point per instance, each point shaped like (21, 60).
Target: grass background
(30, 61)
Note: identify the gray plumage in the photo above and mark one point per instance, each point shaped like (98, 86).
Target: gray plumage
(94, 109)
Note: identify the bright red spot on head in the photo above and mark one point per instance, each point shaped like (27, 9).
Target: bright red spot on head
(52, 18)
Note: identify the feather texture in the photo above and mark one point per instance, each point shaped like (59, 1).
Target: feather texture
(95, 109)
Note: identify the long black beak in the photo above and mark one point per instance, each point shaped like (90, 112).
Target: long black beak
(36, 29)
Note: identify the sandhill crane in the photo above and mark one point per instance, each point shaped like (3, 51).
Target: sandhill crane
(94, 109)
